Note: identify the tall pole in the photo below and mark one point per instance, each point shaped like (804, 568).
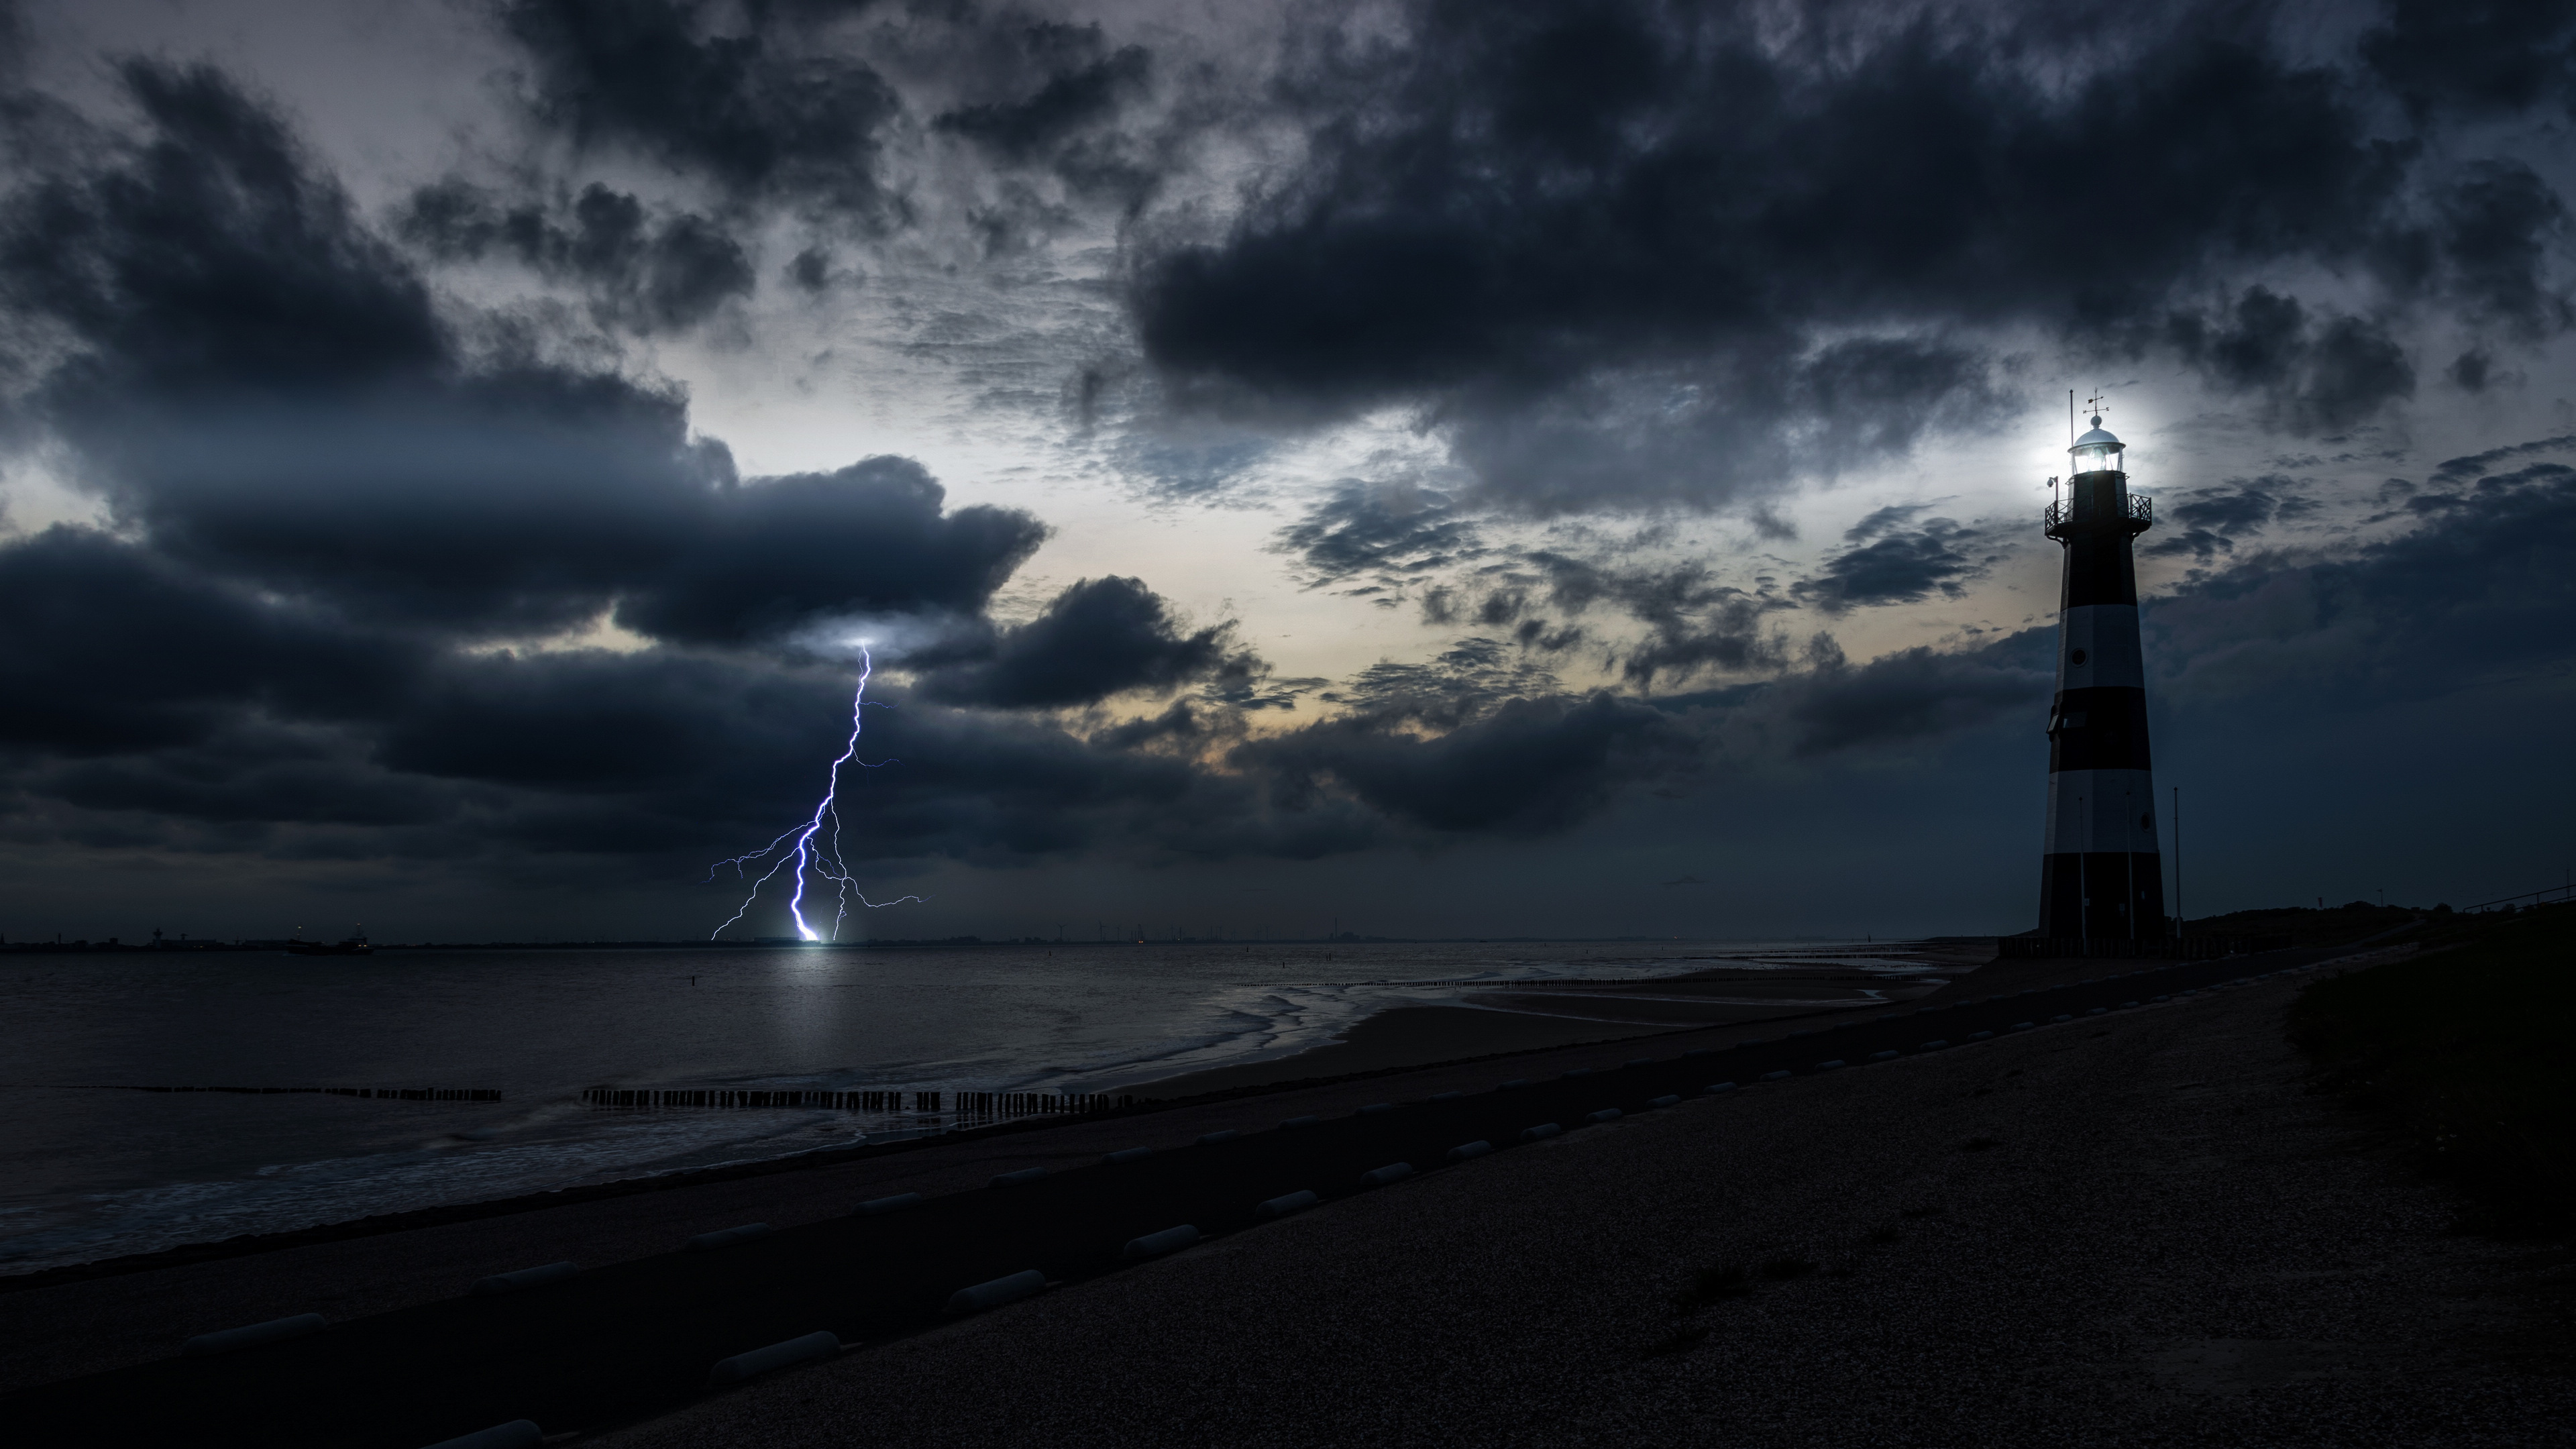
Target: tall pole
(2129, 860)
(2177, 832)
(2083, 886)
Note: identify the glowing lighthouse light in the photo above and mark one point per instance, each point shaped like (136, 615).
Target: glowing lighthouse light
(806, 849)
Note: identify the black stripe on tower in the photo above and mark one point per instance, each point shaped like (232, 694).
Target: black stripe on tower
(2100, 570)
(2102, 728)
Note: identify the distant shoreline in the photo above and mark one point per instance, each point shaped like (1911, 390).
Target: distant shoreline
(115, 946)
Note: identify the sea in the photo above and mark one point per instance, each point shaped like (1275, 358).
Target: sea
(94, 1166)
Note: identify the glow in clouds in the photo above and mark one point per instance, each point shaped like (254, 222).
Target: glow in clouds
(822, 858)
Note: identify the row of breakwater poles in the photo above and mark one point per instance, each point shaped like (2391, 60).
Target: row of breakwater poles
(381, 1094)
(962, 1104)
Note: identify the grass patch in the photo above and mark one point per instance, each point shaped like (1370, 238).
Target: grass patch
(2473, 1051)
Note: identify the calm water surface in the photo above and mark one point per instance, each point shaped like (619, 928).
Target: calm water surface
(88, 1171)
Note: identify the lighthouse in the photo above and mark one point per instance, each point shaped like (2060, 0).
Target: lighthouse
(2100, 876)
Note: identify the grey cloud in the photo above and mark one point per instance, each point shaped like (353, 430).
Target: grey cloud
(1389, 531)
(1885, 520)
(1610, 249)
(2478, 465)
(1695, 624)
(206, 255)
(1075, 85)
(1459, 684)
(260, 387)
(1098, 638)
(643, 276)
(187, 655)
(1528, 766)
(2482, 57)
(1911, 696)
(2498, 225)
(2311, 378)
(765, 110)
(1902, 565)
(2478, 591)
(2212, 521)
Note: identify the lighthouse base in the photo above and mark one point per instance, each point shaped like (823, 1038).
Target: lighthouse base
(2103, 895)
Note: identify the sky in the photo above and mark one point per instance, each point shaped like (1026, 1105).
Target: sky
(1430, 469)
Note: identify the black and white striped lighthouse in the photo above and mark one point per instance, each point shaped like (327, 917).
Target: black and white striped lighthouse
(2101, 877)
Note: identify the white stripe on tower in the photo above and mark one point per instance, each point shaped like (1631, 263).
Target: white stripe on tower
(2098, 648)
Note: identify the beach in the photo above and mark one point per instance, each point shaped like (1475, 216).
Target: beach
(2140, 1231)
(1869, 1147)
(421, 1080)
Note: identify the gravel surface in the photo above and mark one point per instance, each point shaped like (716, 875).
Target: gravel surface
(2134, 1229)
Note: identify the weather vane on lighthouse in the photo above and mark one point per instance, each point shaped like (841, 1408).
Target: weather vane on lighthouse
(2101, 877)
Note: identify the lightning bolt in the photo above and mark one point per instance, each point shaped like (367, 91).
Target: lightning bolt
(798, 851)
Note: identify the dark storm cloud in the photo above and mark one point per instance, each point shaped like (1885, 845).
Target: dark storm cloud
(645, 276)
(322, 493)
(1895, 564)
(1726, 637)
(2498, 224)
(1735, 424)
(782, 554)
(1909, 697)
(2479, 592)
(260, 387)
(2478, 465)
(1695, 624)
(209, 256)
(1068, 87)
(1529, 766)
(111, 648)
(1623, 247)
(251, 726)
(2484, 248)
(2211, 521)
(1099, 638)
(763, 110)
(1084, 84)
(2483, 57)
(2312, 377)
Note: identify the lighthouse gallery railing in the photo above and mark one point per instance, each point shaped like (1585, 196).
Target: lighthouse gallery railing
(2139, 514)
